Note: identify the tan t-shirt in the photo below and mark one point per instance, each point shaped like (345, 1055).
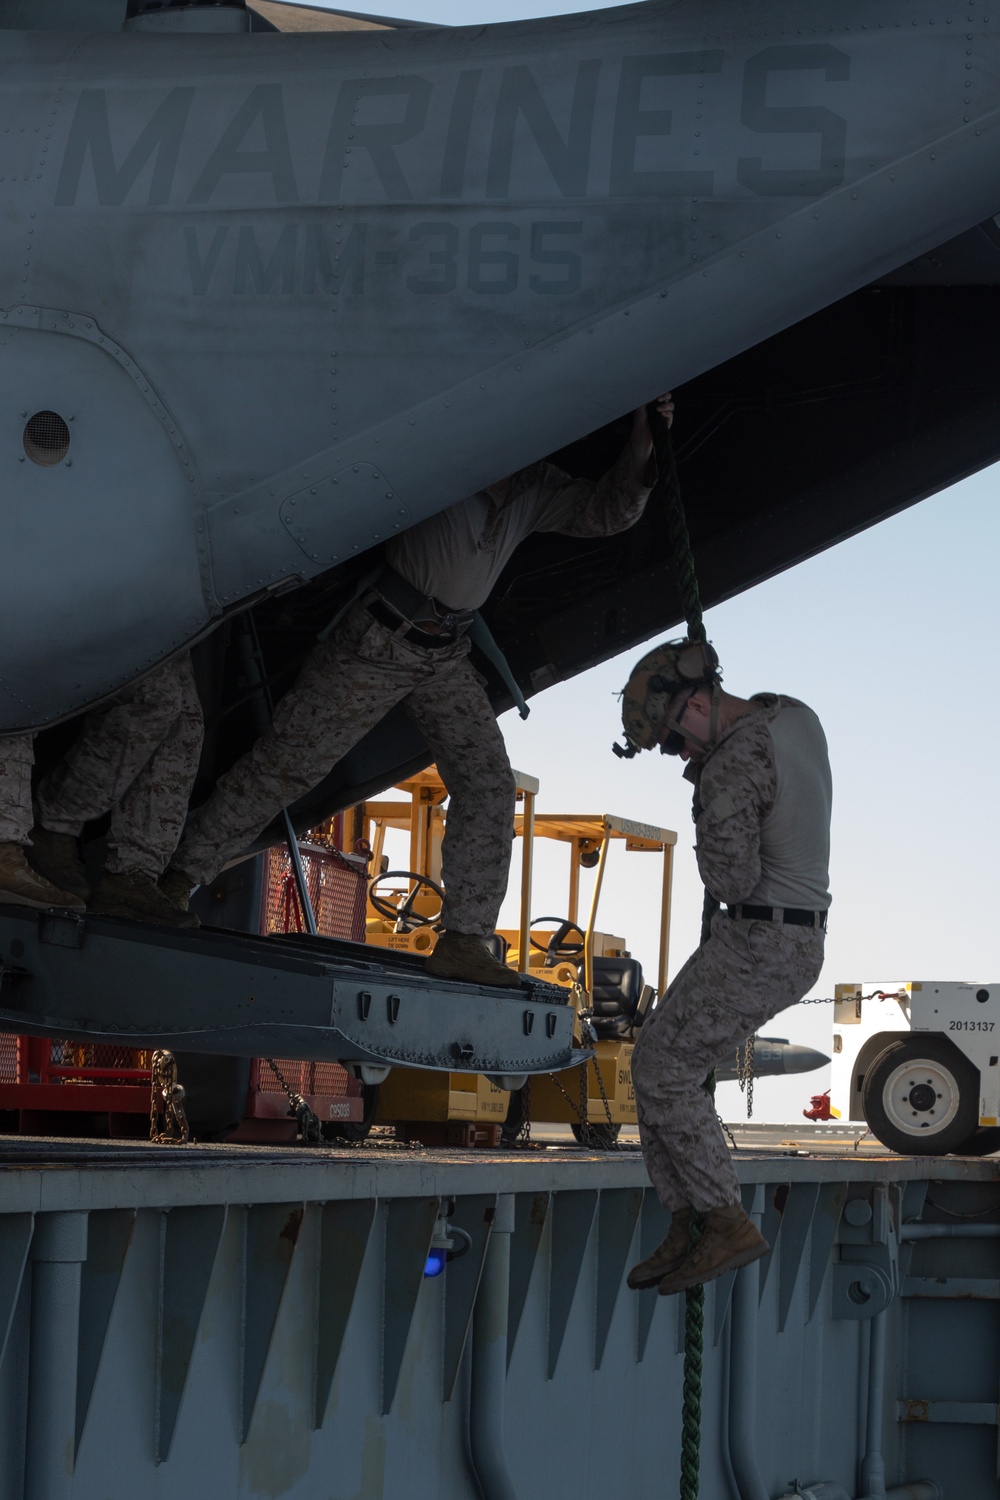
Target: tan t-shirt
(762, 809)
(457, 555)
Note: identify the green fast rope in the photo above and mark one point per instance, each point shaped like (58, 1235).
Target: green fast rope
(684, 570)
(694, 1297)
(694, 1343)
(677, 532)
(694, 1347)
(682, 557)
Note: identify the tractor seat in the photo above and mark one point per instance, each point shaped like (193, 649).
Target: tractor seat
(617, 991)
(498, 946)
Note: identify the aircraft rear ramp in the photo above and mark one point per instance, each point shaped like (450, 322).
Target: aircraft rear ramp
(322, 999)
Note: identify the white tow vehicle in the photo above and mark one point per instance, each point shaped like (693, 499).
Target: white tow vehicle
(919, 1063)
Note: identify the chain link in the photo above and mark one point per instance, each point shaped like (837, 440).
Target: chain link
(745, 1058)
(524, 1134)
(589, 1133)
(516, 1130)
(571, 1102)
(310, 1131)
(604, 1098)
(745, 1054)
(168, 1125)
(875, 995)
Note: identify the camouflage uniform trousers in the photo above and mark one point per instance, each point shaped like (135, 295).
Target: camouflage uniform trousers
(17, 757)
(743, 975)
(137, 758)
(347, 686)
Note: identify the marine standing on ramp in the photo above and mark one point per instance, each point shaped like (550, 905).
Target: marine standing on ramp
(762, 802)
(136, 758)
(406, 641)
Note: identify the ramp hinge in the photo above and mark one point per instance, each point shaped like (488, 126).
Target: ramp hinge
(61, 929)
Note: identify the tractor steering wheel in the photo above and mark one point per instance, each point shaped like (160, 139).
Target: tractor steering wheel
(403, 915)
(557, 947)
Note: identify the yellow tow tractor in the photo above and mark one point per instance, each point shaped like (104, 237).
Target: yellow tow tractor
(608, 989)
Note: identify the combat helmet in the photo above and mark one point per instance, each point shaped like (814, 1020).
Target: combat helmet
(653, 688)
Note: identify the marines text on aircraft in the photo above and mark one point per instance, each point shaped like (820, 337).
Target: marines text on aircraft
(267, 299)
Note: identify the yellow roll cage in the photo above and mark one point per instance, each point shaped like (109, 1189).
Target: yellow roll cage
(585, 833)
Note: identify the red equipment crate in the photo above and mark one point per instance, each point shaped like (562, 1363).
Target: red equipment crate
(43, 1081)
(337, 885)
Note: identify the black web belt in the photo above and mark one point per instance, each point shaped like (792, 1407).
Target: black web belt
(792, 915)
(398, 603)
(388, 617)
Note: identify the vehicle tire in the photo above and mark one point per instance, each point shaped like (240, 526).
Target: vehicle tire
(517, 1111)
(921, 1097)
(354, 1130)
(602, 1137)
(982, 1142)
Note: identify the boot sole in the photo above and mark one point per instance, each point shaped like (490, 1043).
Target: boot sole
(12, 898)
(74, 880)
(648, 1282)
(735, 1263)
(73, 887)
(135, 916)
(493, 982)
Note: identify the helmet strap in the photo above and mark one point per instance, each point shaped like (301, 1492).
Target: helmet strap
(713, 721)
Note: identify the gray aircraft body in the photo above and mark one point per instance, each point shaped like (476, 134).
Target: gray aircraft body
(270, 298)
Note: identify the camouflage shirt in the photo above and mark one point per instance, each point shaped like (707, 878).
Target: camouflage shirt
(762, 807)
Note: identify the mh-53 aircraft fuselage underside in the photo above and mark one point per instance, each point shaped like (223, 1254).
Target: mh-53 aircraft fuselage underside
(267, 299)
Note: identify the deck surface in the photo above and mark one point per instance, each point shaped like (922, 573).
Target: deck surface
(49, 1173)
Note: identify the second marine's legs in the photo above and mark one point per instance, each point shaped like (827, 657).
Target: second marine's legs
(137, 758)
(19, 883)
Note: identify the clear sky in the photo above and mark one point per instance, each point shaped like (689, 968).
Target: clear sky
(467, 13)
(892, 637)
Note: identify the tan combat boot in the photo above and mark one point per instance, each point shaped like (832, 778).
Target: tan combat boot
(136, 895)
(177, 885)
(464, 957)
(20, 885)
(729, 1240)
(57, 857)
(667, 1256)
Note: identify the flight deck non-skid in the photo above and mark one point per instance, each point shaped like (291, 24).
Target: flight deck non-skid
(297, 996)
